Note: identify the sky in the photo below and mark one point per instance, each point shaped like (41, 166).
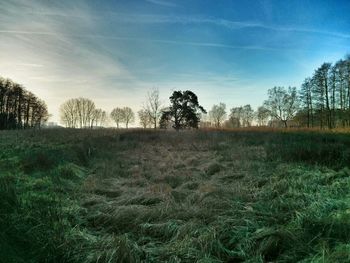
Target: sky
(114, 52)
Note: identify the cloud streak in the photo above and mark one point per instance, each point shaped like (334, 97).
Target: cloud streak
(162, 3)
(49, 56)
(160, 41)
(229, 24)
(63, 49)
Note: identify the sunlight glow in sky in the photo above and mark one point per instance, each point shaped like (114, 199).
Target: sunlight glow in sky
(113, 52)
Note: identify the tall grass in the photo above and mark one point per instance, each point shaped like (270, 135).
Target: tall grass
(145, 196)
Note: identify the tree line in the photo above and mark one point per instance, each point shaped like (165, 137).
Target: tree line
(19, 108)
(323, 100)
(184, 112)
(82, 113)
(325, 96)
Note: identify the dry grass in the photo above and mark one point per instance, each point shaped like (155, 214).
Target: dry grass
(191, 196)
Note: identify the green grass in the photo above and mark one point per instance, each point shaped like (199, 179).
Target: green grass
(201, 196)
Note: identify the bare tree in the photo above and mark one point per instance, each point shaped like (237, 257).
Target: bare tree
(99, 118)
(262, 116)
(282, 104)
(236, 117)
(247, 115)
(217, 114)
(20, 108)
(129, 116)
(117, 115)
(241, 116)
(144, 117)
(81, 113)
(153, 107)
(85, 109)
(68, 113)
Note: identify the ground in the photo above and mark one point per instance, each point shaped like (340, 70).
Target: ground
(161, 196)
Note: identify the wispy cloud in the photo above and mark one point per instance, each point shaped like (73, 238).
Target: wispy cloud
(152, 40)
(162, 3)
(229, 24)
(50, 56)
(63, 49)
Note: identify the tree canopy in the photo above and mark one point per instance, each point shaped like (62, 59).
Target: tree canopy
(184, 111)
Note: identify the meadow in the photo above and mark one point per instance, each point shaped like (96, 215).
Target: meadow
(245, 195)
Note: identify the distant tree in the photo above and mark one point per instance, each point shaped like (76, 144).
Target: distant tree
(241, 116)
(306, 100)
(236, 117)
(247, 115)
(85, 110)
(68, 113)
(19, 108)
(40, 114)
(117, 115)
(99, 118)
(217, 114)
(204, 121)
(144, 117)
(129, 116)
(231, 123)
(322, 92)
(262, 116)
(342, 88)
(184, 111)
(153, 107)
(78, 113)
(282, 104)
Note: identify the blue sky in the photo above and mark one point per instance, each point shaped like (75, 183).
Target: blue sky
(114, 52)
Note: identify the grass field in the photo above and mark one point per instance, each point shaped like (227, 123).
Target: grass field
(195, 196)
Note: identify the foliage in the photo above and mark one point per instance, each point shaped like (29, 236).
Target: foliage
(183, 111)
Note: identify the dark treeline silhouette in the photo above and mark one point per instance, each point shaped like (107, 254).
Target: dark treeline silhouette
(19, 108)
(325, 96)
